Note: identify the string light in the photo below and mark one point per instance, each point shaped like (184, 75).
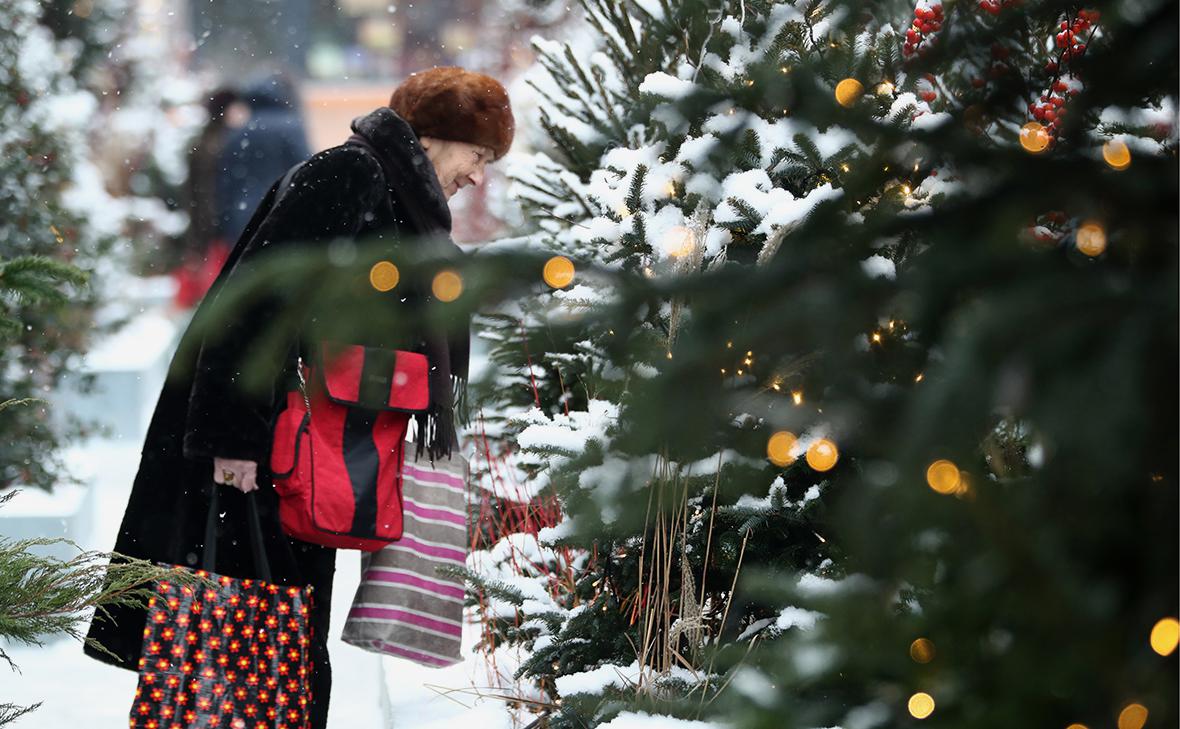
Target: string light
(779, 447)
(797, 397)
(558, 272)
(384, 276)
(844, 167)
(922, 650)
(1034, 137)
(944, 477)
(447, 286)
(822, 455)
(876, 337)
(1091, 239)
(1133, 716)
(1164, 636)
(848, 91)
(885, 88)
(679, 241)
(921, 705)
(964, 491)
(1116, 154)
(920, 377)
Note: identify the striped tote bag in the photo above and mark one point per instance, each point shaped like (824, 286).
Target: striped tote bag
(404, 606)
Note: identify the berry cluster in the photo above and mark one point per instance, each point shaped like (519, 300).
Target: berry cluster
(1047, 228)
(993, 7)
(925, 88)
(927, 22)
(1069, 38)
(1049, 109)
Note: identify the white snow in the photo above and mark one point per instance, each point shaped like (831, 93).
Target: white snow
(879, 267)
(640, 720)
(793, 617)
(787, 211)
(596, 680)
(666, 86)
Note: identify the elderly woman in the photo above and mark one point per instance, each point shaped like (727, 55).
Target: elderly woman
(392, 179)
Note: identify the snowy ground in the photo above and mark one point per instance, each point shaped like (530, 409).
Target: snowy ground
(368, 690)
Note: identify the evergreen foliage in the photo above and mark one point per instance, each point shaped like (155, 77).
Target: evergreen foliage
(891, 274)
(45, 238)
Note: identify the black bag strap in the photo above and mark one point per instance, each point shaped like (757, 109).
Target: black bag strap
(253, 526)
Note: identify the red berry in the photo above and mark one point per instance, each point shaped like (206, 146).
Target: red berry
(911, 36)
(928, 95)
(1051, 115)
(977, 82)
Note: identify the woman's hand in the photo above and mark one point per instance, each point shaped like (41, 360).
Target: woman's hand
(242, 475)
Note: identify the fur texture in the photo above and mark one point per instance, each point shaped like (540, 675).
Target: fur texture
(452, 103)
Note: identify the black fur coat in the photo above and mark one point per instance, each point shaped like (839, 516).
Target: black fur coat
(341, 192)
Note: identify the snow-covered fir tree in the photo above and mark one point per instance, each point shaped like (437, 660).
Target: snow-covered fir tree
(56, 203)
(851, 366)
(43, 142)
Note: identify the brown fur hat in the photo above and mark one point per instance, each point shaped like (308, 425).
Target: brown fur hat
(452, 103)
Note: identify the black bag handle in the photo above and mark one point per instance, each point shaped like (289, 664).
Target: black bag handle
(253, 526)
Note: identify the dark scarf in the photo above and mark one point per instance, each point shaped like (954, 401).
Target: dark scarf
(423, 219)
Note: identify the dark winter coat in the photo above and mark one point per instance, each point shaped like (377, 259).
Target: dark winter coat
(341, 192)
(253, 156)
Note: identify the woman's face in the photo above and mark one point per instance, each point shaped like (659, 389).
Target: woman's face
(458, 164)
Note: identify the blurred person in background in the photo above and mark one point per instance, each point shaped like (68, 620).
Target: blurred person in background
(258, 153)
(203, 250)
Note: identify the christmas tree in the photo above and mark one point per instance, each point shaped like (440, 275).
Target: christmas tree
(43, 144)
(855, 376)
(56, 205)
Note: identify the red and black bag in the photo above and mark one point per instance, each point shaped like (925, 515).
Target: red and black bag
(223, 651)
(338, 450)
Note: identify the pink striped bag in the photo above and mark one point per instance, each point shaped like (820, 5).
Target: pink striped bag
(404, 607)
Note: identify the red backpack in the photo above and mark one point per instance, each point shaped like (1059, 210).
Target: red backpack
(338, 447)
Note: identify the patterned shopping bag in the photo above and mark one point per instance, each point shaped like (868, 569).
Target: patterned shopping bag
(225, 652)
(405, 606)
